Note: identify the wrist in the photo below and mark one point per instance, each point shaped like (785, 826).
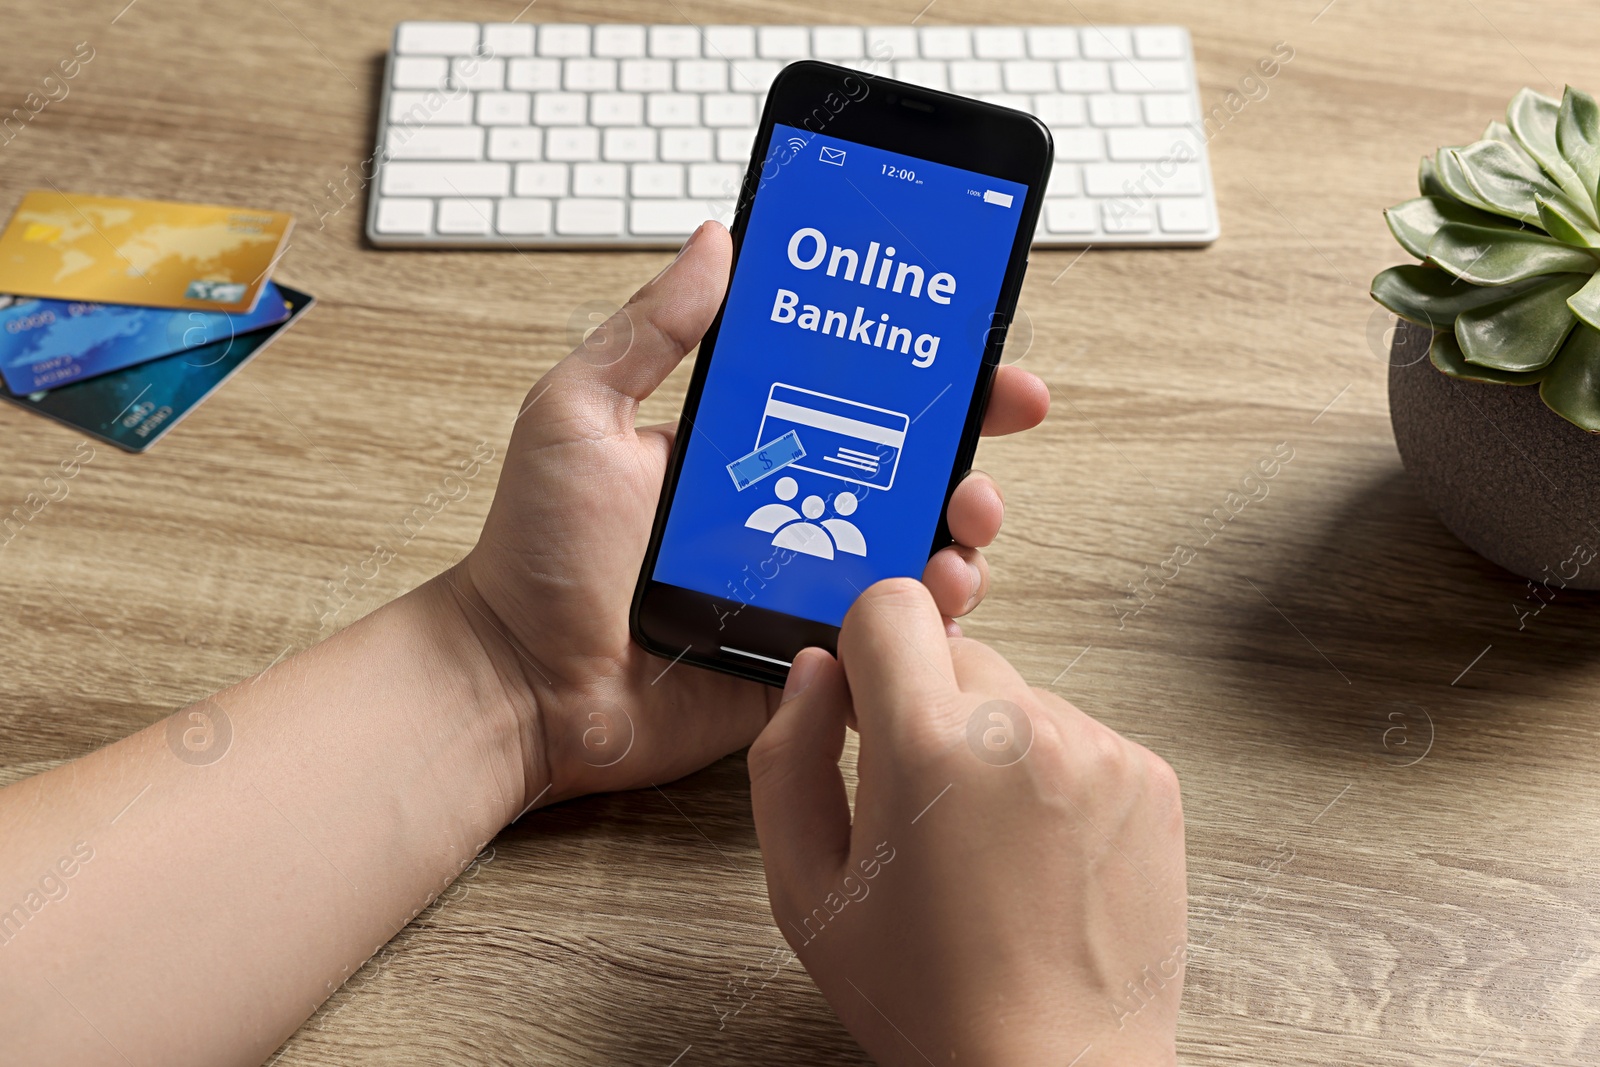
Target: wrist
(481, 666)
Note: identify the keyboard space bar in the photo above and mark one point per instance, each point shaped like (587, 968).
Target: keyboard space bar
(666, 218)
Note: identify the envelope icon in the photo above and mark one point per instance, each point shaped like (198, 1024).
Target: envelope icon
(834, 156)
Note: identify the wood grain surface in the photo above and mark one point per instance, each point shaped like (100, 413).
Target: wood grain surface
(1390, 787)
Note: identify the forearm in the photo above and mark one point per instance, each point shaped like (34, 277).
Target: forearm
(219, 892)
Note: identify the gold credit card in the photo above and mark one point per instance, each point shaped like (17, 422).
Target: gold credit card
(109, 250)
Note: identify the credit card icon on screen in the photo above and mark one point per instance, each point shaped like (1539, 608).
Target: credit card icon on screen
(843, 438)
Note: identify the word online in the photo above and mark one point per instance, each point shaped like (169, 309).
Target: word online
(809, 250)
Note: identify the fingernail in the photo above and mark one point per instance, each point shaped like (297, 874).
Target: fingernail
(801, 675)
(977, 582)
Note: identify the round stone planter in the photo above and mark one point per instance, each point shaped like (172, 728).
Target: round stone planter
(1516, 482)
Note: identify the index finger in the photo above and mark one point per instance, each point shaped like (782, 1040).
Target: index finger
(894, 651)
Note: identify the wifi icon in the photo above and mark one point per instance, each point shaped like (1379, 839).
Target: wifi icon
(796, 144)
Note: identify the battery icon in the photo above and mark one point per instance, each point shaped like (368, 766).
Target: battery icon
(992, 197)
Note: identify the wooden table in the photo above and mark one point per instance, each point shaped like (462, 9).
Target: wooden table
(1392, 833)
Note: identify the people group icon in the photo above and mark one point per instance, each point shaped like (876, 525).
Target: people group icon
(805, 530)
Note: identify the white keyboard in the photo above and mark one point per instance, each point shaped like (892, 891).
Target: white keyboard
(560, 135)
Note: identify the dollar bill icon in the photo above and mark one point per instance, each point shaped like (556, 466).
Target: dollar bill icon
(767, 459)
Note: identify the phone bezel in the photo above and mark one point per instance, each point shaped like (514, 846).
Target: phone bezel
(898, 117)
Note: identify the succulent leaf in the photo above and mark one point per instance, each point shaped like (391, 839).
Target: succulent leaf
(1585, 303)
(1447, 167)
(1499, 131)
(1414, 222)
(1494, 256)
(1509, 181)
(1563, 221)
(1445, 354)
(1428, 179)
(1432, 297)
(1578, 135)
(1571, 385)
(1521, 332)
(1532, 118)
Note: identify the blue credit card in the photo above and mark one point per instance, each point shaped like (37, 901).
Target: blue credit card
(45, 344)
(843, 439)
(132, 408)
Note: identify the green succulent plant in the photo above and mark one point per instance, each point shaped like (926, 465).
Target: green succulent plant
(1508, 231)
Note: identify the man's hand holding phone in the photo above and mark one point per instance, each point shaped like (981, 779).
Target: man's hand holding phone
(548, 586)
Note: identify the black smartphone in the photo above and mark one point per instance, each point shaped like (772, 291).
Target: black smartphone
(880, 241)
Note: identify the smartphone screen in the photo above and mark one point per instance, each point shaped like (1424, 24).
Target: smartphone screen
(840, 388)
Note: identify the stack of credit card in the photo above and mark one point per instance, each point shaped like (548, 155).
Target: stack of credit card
(120, 316)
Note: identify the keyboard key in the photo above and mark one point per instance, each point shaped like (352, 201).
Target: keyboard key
(631, 144)
(1126, 216)
(1184, 215)
(1150, 76)
(542, 179)
(752, 75)
(975, 76)
(1079, 145)
(401, 216)
(589, 75)
(729, 109)
(1107, 42)
(783, 42)
(656, 180)
(435, 142)
(673, 109)
(429, 109)
(436, 38)
(998, 42)
(730, 42)
(1168, 109)
(687, 146)
(837, 42)
(927, 73)
(420, 72)
(465, 216)
(446, 179)
(619, 42)
(560, 109)
(674, 42)
(733, 144)
(1143, 145)
(1029, 76)
(946, 42)
(572, 144)
(1069, 216)
(1052, 42)
(529, 75)
(1158, 42)
(588, 218)
(715, 181)
(563, 40)
(1063, 180)
(616, 109)
(1115, 179)
(515, 142)
(522, 218)
(892, 42)
(646, 75)
(668, 217)
(599, 179)
(474, 73)
(503, 109)
(1059, 109)
(1106, 109)
(702, 76)
(508, 39)
(1083, 76)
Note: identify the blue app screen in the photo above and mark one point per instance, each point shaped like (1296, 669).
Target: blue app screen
(841, 377)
